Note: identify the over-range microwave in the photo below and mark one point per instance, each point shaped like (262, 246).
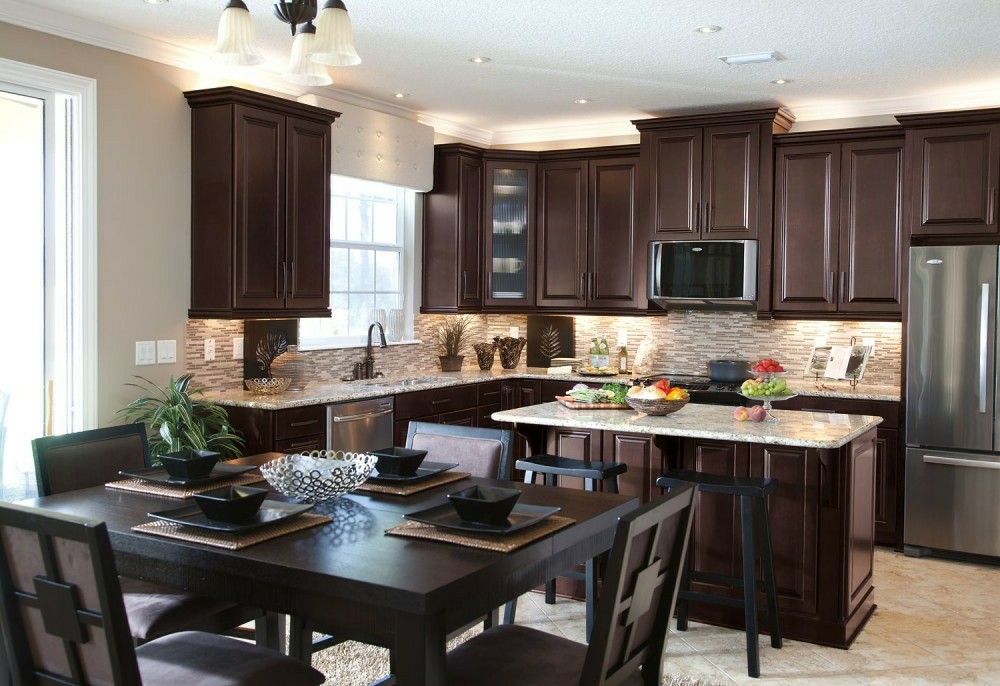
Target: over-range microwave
(694, 273)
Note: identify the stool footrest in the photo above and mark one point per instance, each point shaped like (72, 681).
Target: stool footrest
(568, 466)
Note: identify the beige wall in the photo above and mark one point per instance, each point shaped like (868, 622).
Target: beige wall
(143, 211)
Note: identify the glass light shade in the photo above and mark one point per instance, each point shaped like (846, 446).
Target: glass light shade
(301, 69)
(235, 45)
(334, 37)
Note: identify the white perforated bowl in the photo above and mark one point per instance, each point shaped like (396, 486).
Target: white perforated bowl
(318, 475)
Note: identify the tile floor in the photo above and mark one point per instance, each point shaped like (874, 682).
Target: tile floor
(937, 622)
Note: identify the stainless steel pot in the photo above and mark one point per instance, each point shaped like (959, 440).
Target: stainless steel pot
(729, 371)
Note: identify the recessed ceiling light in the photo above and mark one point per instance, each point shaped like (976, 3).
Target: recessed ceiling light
(156, 2)
(479, 60)
(401, 95)
(581, 101)
(711, 28)
(751, 58)
(781, 82)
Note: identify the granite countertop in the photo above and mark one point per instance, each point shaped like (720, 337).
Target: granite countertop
(795, 428)
(342, 391)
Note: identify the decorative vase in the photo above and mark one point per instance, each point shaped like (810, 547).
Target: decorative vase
(394, 327)
(294, 366)
(451, 363)
(510, 350)
(485, 354)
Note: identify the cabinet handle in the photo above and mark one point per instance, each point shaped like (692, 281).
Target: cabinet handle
(303, 444)
(489, 284)
(697, 217)
(843, 281)
(306, 423)
(291, 268)
(486, 394)
(583, 285)
(465, 283)
(829, 287)
(440, 402)
(992, 204)
(590, 285)
(708, 216)
(284, 279)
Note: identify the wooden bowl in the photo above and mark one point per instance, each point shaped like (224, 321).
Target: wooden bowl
(655, 408)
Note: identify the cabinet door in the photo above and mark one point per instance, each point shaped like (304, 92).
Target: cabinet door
(871, 227)
(460, 418)
(806, 227)
(562, 234)
(509, 234)
(580, 444)
(307, 240)
(642, 457)
(613, 202)
(886, 480)
(508, 395)
(260, 270)
(528, 393)
(731, 178)
(954, 180)
(675, 182)
(794, 515)
(470, 233)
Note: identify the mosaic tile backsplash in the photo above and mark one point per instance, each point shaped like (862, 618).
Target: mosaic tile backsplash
(686, 341)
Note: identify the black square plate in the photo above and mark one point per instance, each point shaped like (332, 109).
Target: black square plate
(424, 471)
(521, 517)
(270, 511)
(158, 475)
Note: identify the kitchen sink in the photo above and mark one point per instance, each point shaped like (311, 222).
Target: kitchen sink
(413, 381)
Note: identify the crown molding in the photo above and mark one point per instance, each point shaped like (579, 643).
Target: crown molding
(447, 127)
(934, 102)
(565, 132)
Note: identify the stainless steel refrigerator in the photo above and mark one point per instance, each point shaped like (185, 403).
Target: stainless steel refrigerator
(952, 500)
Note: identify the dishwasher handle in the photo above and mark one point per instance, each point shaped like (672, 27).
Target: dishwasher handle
(359, 417)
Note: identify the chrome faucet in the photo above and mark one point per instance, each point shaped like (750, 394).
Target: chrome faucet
(369, 356)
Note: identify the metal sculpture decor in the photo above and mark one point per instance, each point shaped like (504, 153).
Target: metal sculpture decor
(271, 346)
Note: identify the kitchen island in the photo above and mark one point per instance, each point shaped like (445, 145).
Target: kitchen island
(822, 512)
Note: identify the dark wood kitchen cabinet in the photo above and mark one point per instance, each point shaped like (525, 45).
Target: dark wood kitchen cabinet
(587, 227)
(260, 206)
(838, 228)
(453, 232)
(509, 231)
(954, 165)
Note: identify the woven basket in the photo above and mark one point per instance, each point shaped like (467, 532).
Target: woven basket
(655, 408)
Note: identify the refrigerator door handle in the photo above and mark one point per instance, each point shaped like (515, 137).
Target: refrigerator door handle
(958, 462)
(984, 319)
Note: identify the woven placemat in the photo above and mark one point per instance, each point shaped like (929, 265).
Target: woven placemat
(180, 492)
(409, 489)
(220, 539)
(504, 544)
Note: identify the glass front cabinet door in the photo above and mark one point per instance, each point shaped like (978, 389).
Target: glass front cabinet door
(510, 234)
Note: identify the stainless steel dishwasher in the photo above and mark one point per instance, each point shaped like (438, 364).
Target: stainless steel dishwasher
(358, 427)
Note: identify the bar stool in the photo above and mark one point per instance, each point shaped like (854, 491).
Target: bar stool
(591, 471)
(752, 492)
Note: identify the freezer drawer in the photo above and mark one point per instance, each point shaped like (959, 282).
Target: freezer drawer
(952, 501)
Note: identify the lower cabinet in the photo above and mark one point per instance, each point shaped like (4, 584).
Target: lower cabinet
(293, 430)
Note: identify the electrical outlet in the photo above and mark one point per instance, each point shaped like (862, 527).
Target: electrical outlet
(237, 347)
(145, 352)
(209, 349)
(166, 352)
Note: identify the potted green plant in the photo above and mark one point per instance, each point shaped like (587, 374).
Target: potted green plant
(179, 421)
(453, 340)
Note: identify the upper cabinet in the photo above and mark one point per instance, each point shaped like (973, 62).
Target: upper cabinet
(260, 206)
(954, 169)
(703, 174)
(509, 232)
(587, 230)
(838, 225)
(453, 232)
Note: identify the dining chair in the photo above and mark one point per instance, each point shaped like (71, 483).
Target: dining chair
(482, 452)
(92, 458)
(633, 614)
(64, 620)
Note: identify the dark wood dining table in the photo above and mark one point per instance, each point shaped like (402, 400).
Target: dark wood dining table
(349, 576)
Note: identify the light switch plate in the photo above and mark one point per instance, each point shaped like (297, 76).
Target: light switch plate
(166, 352)
(209, 349)
(145, 352)
(237, 347)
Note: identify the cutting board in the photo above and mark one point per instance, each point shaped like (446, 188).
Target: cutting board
(573, 405)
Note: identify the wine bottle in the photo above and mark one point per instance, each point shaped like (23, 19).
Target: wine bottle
(623, 360)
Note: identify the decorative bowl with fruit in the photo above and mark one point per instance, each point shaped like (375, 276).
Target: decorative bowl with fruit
(767, 386)
(657, 400)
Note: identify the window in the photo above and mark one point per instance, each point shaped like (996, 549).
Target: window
(370, 224)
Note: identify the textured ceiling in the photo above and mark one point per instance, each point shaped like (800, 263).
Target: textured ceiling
(632, 58)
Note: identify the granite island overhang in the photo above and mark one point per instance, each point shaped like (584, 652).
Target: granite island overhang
(822, 513)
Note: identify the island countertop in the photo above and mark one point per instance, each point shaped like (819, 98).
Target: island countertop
(795, 428)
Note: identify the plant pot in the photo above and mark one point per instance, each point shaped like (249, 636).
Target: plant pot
(452, 363)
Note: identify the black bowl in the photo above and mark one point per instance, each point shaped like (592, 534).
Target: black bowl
(484, 504)
(233, 504)
(189, 464)
(398, 461)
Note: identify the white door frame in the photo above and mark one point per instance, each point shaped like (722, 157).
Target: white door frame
(83, 93)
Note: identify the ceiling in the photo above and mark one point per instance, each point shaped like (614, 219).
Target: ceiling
(631, 58)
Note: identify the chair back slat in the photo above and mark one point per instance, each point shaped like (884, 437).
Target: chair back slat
(61, 608)
(482, 452)
(88, 458)
(640, 591)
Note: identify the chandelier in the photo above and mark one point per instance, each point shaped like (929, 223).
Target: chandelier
(327, 42)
